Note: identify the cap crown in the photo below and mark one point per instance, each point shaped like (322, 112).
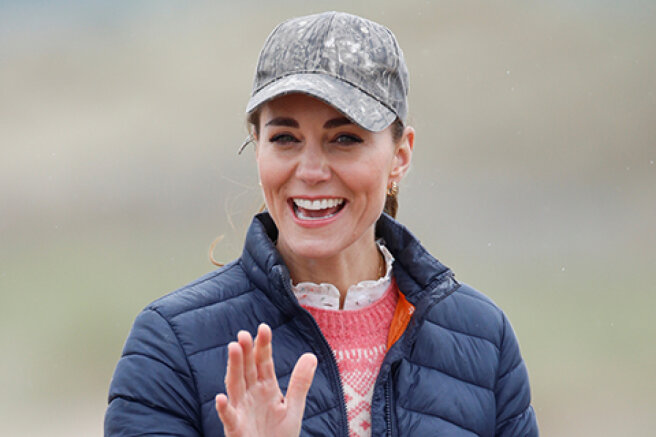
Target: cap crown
(355, 50)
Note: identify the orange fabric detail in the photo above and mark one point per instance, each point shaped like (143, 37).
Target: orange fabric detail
(402, 315)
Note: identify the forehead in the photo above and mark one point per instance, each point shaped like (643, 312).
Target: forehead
(298, 105)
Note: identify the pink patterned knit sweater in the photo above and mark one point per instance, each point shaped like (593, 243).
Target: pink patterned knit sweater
(358, 339)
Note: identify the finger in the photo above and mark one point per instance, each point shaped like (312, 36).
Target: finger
(250, 372)
(234, 381)
(227, 414)
(263, 353)
(299, 384)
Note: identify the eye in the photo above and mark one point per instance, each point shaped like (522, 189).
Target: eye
(347, 139)
(283, 139)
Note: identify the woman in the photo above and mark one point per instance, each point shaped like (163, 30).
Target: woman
(356, 323)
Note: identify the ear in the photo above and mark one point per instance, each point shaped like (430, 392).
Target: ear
(402, 155)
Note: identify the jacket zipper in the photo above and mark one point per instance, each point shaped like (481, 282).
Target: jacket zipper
(388, 406)
(333, 362)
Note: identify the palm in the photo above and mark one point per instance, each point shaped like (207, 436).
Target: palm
(255, 405)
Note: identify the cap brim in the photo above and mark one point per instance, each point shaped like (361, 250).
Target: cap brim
(358, 106)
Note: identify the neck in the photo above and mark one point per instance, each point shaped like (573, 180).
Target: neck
(357, 263)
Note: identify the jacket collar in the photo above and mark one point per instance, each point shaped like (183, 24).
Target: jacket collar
(417, 273)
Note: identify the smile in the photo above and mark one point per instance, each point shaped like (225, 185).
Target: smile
(317, 209)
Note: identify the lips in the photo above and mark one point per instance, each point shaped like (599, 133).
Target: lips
(317, 209)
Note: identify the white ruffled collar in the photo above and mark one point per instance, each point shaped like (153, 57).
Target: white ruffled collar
(358, 296)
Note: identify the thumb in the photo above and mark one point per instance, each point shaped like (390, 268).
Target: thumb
(299, 384)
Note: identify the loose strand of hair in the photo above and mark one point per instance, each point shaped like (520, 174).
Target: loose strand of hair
(212, 246)
(218, 239)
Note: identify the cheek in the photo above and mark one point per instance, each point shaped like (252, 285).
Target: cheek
(272, 176)
(369, 188)
(265, 167)
(370, 178)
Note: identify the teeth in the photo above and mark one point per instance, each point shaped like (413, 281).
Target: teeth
(316, 205)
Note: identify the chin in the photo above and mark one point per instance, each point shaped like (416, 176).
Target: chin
(315, 249)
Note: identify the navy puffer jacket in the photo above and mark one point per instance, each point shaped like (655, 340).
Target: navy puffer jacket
(455, 371)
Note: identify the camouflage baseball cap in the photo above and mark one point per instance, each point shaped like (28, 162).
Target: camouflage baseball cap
(347, 61)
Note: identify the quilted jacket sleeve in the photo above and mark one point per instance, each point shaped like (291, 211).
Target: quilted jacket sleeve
(152, 391)
(515, 416)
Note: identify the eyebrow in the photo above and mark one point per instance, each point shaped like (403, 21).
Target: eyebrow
(282, 121)
(337, 122)
(290, 122)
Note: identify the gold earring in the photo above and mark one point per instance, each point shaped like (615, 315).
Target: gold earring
(393, 190)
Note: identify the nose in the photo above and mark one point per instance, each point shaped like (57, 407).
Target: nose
(313, 166)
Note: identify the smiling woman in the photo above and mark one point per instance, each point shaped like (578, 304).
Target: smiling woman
(373, 336)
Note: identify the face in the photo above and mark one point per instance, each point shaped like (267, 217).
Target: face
(324, 178)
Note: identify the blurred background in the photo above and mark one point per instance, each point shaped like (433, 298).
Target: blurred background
(534, 179)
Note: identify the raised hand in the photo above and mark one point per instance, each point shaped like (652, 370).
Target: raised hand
(254, 405)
